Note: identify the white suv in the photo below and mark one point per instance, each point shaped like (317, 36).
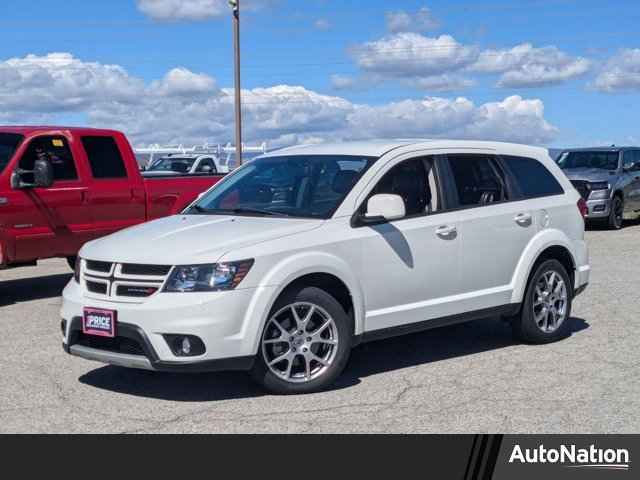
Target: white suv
(300, 255)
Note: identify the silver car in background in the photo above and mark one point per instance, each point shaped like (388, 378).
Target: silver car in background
(608, 178)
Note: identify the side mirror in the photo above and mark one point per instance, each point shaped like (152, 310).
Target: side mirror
(40, 176)
(384, 207)
(43, 173)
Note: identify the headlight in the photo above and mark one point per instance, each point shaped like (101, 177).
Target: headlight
(76, 269)
(208, 278)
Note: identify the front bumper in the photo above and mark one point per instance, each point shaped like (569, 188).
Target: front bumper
(228, 323)
(107, 351)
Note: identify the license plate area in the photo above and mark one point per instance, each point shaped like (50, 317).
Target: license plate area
(99, 322)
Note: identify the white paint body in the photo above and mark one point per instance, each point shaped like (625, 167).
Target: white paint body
(397, 273)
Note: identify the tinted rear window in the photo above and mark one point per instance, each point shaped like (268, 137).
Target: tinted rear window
(9, 142)
(532, 177)
(104, 157)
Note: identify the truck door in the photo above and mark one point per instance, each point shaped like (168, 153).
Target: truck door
(53, 221)
(116, 195)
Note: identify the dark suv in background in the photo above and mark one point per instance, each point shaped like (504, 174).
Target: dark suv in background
(608, 179)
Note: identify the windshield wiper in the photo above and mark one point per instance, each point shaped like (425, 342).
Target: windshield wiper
(259, 211)
(237, 211)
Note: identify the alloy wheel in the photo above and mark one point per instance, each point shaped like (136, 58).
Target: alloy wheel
(550, 301)
(300, 342)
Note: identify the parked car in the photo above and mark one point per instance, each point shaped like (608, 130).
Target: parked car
(301, 254)
(185, 165)
(608, 179)
(61, 187)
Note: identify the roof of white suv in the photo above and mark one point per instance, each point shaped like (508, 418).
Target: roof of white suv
(377, 148)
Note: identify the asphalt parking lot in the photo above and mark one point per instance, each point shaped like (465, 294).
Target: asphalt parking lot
(467, 378)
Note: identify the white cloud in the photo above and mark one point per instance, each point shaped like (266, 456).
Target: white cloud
(620, 73)
(527, 66)
(343, 82)
(437, 63)
(440, 83)
(194, 10)
(184, 106)
(513, 119)
(322, 24)
(420, 21)
(413, 54)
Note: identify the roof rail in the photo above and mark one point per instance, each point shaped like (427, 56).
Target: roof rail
(206, 148)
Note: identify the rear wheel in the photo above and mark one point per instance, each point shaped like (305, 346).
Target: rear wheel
(305, 344)
(547, 305)
(614, 222)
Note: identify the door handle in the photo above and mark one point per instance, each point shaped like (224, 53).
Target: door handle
(446, 231)
(523, 219)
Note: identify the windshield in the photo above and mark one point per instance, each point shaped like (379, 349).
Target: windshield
(297, 186)
(9, 142)
(172, 164)
(602, 160)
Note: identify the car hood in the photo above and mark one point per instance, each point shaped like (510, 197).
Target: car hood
(590, 174)
(191, 239)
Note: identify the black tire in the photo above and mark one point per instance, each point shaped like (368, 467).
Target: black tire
(616, 214)
(525, 327)
(71, 261)
(263, 375)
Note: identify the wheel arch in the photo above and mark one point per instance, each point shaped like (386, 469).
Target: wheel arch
(321, 270)
(549, 244)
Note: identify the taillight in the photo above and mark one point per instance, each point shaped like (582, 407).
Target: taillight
(582, 206)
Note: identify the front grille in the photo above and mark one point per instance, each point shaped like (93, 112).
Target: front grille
(135, 291)
(145, 270)
(582, 187)
(116, 344)
(96, 287)
(95, 266)
(131, 281)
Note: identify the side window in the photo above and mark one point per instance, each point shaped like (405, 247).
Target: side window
(415, 181)
(636, 158)
(56, 150)
(628, 158)
(104, 157)
(478, 180)
(206, 166)
(532, 177)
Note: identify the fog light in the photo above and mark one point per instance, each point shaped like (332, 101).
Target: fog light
(185, 345)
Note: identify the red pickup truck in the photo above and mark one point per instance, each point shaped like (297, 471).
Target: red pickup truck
(61, 187)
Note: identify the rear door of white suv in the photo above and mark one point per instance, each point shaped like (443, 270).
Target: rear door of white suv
(495, 224)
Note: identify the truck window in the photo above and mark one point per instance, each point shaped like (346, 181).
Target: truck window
(9, 142)
(56, 150)
(104, 157)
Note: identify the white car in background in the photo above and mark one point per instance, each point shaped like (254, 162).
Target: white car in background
(185, 164)
(301, 254)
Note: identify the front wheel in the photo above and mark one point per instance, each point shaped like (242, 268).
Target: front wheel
(614, 222)
(547, 305)
(305, 344)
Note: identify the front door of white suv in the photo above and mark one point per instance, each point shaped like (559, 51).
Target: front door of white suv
(409, 266)
(494, 230)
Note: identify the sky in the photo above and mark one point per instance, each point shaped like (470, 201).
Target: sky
(556, 73)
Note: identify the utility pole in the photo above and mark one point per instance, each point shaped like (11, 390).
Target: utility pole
(235, 6)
